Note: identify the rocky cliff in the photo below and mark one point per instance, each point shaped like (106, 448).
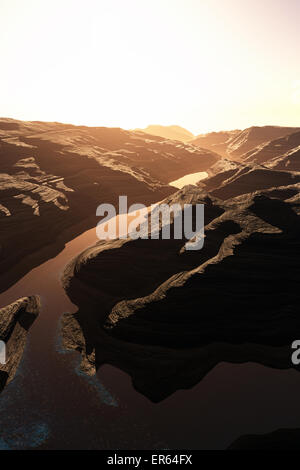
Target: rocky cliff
(15, 321)
(167, 316)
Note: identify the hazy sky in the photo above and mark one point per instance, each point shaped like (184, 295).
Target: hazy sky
(202, 64)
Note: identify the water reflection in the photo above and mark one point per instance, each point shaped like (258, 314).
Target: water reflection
(192, 178)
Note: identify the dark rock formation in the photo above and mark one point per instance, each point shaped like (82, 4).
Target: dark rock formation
(282, 439)
(15, 321)
(167, 316)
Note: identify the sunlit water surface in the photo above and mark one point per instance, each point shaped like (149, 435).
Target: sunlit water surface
(192, 178)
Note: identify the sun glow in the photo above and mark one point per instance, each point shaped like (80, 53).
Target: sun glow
(201, 64)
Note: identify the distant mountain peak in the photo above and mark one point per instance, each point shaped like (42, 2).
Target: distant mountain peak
(173, 132)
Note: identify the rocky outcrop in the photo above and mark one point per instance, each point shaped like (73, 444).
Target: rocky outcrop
(279, 154)
(150, 307)
(252, 137)
(228, 179)
(15, 321)
(239, 144)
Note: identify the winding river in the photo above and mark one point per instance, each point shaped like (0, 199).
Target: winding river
(51, 405)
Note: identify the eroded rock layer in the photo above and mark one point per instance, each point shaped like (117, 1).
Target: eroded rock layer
(15, 321)
(167, 316)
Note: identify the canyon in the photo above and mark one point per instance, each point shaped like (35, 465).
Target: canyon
(164, 316)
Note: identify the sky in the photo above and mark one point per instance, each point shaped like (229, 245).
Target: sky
(202, 64)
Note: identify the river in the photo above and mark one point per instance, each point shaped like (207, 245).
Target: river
(192, 178)
(51, 405)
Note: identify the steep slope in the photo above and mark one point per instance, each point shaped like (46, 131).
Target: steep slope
(280, 154)
(169, 132)
(288, 161)
(150, 307)
(215, 141)
(228, 179)
(15, 321)
(53, 177)
(237, 144)
(250, 138)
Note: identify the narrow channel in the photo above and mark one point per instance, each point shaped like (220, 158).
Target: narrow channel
(51, 405)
